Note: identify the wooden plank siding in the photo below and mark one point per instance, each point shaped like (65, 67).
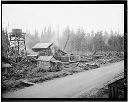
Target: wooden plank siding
(70, 58)
(116, 89)
(45, 52)
(44, 64)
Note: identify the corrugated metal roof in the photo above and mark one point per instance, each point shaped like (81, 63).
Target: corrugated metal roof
(42, 45)
(44, 58)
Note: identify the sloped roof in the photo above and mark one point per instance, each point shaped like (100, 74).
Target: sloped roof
(6, 65)
(42, 45)
(44, 58)
(33, 54)
(54, 60)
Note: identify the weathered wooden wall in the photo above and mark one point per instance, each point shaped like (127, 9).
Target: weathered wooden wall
(116, 89)
(45, 52)
(43, 64)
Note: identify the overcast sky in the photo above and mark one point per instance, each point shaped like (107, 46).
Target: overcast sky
(87, 16)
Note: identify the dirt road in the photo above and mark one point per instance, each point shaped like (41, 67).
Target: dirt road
(72, 85)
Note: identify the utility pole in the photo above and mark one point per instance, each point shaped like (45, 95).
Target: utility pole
(58, 34)
(66, 43)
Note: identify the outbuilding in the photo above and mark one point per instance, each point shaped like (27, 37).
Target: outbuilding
(44, 62)
(6, 68)
(48, 63)
(43, 49)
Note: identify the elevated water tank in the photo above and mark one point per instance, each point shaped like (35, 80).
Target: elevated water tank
(16, 32)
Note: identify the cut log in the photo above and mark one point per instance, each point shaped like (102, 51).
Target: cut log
(29, 83)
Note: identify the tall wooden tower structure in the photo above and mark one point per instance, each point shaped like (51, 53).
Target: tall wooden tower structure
(17, 47)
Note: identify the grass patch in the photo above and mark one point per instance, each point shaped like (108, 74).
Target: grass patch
(10, 85)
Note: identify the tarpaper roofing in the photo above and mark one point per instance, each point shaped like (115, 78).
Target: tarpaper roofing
(42, 45)
(33, 54)
(47, 58)
(44, 58)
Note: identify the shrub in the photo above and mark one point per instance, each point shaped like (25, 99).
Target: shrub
(12, 84)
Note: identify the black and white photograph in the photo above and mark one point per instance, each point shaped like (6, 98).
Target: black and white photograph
(63, 51)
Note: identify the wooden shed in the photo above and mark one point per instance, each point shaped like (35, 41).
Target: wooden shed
(48, 63)
(44, 62)
(43, 49)
(6, 68)
(48, 49)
